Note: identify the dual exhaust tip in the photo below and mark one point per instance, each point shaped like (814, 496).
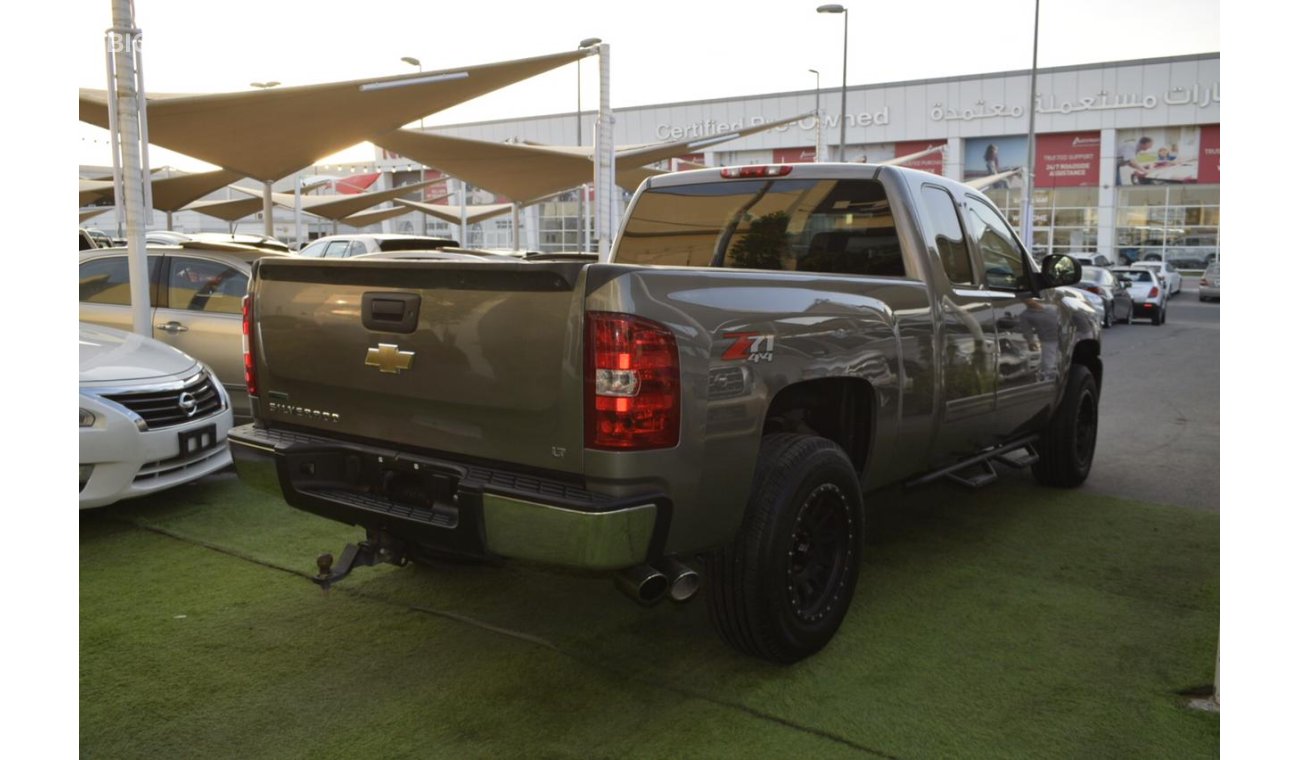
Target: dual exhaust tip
(667, 577)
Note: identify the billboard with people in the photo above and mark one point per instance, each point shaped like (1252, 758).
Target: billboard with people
(986, 156)
(1158, 156)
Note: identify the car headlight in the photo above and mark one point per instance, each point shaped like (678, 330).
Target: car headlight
(87, 418)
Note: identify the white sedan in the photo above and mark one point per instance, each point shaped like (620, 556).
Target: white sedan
(1167, 272)
(152, 417)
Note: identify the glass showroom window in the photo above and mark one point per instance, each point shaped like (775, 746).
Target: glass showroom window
(1065, 218)
(1177, 223)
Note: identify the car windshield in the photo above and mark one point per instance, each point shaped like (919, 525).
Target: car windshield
(1094, 274)
(1136, 275)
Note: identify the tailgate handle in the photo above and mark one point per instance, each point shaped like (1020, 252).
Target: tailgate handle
(390, 312)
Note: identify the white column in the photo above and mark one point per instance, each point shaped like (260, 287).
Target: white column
(1108, 195)
(604, 164)
(122, 42)
(953, 159)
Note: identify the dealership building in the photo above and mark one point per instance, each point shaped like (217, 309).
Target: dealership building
(1126, 158)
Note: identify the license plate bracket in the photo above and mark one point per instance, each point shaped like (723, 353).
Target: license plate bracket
(197, 440)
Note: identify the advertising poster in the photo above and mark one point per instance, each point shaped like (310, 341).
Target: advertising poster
(931, 162)
(986, 156)
(1071, 159)
(1208, 172)
(1158, 156)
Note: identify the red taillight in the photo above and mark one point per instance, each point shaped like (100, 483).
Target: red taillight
(633, 383)
(1094, 289)
(1155, 292)
(770, 170)
(250, 367)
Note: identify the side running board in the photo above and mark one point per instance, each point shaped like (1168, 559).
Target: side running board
(978, 471)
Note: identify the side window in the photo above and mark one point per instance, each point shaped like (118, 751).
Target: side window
(202, 285)
(315, 250)
(336, 249)
(108, 280)
(1004, 267)
(948, 240)
(356, 248)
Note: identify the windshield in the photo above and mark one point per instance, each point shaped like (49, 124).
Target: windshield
(841, 227)
(1136, 275)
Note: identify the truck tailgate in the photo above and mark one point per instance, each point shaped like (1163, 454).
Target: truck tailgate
(483, 360)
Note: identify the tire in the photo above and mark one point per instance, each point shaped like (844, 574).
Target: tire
(1106, 318)
(1159, 317)
(782, 587)
(1067, 446)
(1128, 318)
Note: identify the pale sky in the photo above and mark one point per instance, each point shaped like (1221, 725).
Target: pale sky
(660, 51)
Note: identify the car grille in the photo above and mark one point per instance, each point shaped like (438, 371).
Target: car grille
(161, 409)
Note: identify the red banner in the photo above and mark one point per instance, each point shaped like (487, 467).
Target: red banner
(1208, 172)
(930, 162)
(355, 184)
(1070, 159)
(794, 155)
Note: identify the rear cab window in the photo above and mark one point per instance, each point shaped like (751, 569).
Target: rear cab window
(778, 224)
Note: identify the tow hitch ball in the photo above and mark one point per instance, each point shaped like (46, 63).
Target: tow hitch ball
(374, 550)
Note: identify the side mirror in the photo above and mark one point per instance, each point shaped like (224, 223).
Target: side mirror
(1060, 270)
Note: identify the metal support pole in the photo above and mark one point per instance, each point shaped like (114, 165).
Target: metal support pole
(122, 42)
(514, 226)
(297, 210)
(113, 142)
(464, 226)
(604, 163)
(1027, 202)
(844, 86)
(268, 223)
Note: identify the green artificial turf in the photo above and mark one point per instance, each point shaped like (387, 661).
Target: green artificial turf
(1010, 622)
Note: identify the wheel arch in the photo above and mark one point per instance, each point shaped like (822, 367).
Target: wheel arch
(840, 409)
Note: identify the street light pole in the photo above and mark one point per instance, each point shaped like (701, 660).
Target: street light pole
(844, 77)
(1027, 202)
(818, 110)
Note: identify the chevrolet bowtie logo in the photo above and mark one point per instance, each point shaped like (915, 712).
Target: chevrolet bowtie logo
(388, 359)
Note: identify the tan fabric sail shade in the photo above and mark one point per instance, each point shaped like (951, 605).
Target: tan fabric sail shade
(473, 214)
(367, 218)
(271, 133)
(338, 207)
(526, 172)
(229, 210)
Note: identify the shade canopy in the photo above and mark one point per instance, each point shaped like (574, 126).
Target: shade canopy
(91, 190)
(526, 172)
(367, 218)
(900, 160)
(91, 213)
(271, 133)
(473, 214)
(338, 207)
(229, 210)
(174, 192)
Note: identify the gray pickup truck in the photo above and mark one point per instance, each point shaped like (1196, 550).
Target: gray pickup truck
(766, 345)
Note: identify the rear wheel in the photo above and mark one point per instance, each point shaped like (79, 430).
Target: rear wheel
(1066, 450)
(780, 590)
(1106, 317)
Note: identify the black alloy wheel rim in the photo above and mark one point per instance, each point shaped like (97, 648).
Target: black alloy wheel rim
(1085, 430)
(821, 548)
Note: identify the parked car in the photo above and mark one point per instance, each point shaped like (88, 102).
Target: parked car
(1210, 283)
(196, 300)
(152, 417)
(170, 237)
(1166, 271)
(1150, 295)
(1117, 303)
(1092, 259)
(347, 246)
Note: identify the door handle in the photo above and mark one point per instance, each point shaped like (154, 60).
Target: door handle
(172, 327)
